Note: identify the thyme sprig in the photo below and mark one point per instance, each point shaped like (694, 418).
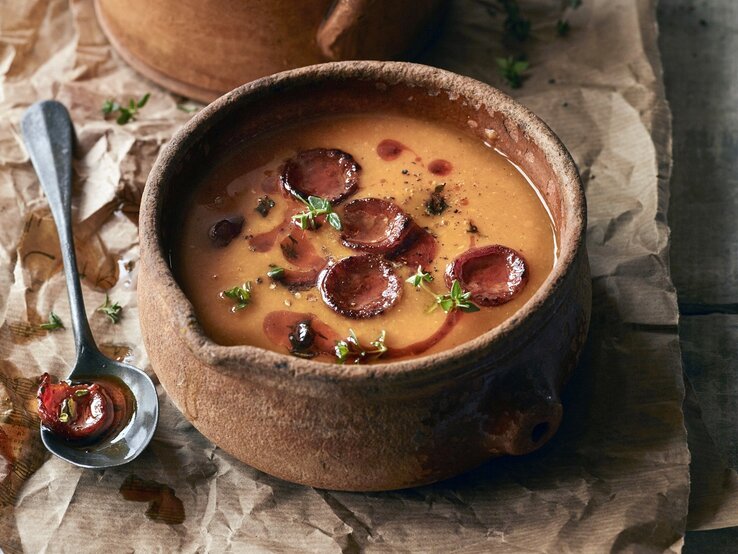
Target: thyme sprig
(455, 299)
(241, 294)
(517, 29)
(125, 113)
(317, 206)
(562, 27)
(54, 323)
(110, 309)
(517, 26)
(351, 348)
(512, 70)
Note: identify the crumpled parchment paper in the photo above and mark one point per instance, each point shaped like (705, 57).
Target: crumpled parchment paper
(615, 478)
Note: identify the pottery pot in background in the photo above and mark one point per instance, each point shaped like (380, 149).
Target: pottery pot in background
(204, 48)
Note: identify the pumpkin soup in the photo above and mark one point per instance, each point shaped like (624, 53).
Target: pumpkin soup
(363, 237)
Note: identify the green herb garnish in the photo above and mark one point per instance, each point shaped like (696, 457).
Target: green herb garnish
(562, 27)
(351, 348)
(316, 206)
(516, 26)
(68, 410)
(112, 310)
(241, 295)
(81, 392)
(125, 113)
(455, 299)
(512, 70)
(54, 323)
(275, 272)
(264, 206)
(419, 278)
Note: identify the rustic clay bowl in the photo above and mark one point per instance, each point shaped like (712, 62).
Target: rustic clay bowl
(204, 48)
(383, 426)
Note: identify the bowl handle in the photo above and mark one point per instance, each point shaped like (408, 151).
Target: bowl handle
(523, 424)
(375, 29)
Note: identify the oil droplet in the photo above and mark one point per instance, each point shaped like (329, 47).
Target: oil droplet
(164, 506)
(440, 167)
(390, 149)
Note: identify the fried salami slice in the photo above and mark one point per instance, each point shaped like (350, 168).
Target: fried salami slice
(360, 286)
(330, 174)
(74, 412)
(303, 335)
(493, 274)
(225, 230)
(374, 225)
(417, 249)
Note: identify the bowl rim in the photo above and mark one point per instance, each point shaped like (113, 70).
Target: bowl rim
(254, 360)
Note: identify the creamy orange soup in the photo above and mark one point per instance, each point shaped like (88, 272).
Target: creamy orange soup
(454, 192)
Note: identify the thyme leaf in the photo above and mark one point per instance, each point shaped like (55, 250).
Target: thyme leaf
(419, 278)
(240, 294)
(316, 206)
(112, 310)
(512, 70)
(54, 323)
(125, 112)
(351, 348)
(516, 26)
(562, 27)
(68, 410)
(275, 272)
(455, 299)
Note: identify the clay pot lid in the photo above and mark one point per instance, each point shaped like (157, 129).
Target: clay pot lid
(384, 75)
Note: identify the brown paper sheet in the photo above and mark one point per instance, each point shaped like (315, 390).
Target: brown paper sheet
(615, 477)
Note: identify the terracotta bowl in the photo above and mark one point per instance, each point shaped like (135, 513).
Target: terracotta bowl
(383, 426)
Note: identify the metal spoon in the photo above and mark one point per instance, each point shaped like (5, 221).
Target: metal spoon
(48, 134)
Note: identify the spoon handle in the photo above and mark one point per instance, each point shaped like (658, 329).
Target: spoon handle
(49, 138)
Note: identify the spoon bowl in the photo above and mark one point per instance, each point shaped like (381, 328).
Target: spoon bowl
(48, 135)
(127, 442)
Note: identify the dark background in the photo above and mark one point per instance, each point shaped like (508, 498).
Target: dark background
(699, 50)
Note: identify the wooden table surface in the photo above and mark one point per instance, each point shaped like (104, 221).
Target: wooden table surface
(698, 41)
